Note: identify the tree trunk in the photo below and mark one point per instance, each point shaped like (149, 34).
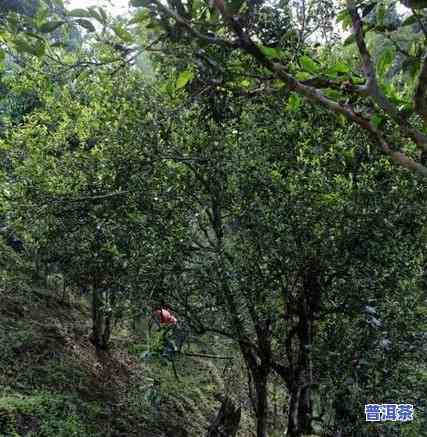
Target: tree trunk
(227, 421)
(308, 305)
(299, 415)
(293, 425)
(305, 411)
(261, 404)
(101, 320)
(107, 329)
(300, 404)
(259, 371)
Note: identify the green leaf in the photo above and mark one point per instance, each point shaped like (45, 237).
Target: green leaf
(35, 35)
(213, 16)
(405, 105)
(381, 11)
(31, 43)
(58, 44)
(103, 14)
(86, 24)
(184, 77)
(332, 94)
(2, 59)
(339, 67)
(50, 26)
(412, 19)
(386, 59)
(342, 119)
(35, 47)
(350, 40)
(294, 102)
(344, 17)
(233, 6)
(140, 17)
(122, 33)
(272, 52)
(82, 13)
(95, 14)
(377, 120)
(302, 75)
(309, 64)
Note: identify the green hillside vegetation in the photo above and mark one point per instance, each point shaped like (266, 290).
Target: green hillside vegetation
(54, 382)
(213, 219)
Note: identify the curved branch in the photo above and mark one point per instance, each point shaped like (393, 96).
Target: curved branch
(246, 43)
(373, 88)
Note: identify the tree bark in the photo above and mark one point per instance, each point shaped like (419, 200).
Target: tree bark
(293, 425)
(300, 412)
(260, 381)
(305, 404)
(101, 328)
(227, 421)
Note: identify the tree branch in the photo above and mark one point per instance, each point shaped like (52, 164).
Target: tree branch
(309, 92)
(372, 84)
(315, 95)
(212, 39)
(92, 198)
(368, 65)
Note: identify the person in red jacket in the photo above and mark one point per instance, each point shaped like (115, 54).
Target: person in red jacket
(167, 329)
(165, 317)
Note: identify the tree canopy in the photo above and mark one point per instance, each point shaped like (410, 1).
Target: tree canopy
(257, 167)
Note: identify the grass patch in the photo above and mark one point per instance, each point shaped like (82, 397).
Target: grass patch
(40, 415)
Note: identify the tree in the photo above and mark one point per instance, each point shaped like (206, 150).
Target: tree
(81, 183)
(257, 215)
(387, 113)
(285, 238)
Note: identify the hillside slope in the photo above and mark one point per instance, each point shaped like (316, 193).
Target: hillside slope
(54, 383)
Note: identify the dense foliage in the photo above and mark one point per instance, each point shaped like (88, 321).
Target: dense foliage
(253, 166)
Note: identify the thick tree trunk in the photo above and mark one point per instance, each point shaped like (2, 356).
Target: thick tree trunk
(300, 405)
(261, 404)
(300, 412)
(227, 421)
(308, 305)
(258, 371)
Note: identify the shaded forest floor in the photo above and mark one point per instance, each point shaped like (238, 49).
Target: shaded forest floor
(53, 382)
